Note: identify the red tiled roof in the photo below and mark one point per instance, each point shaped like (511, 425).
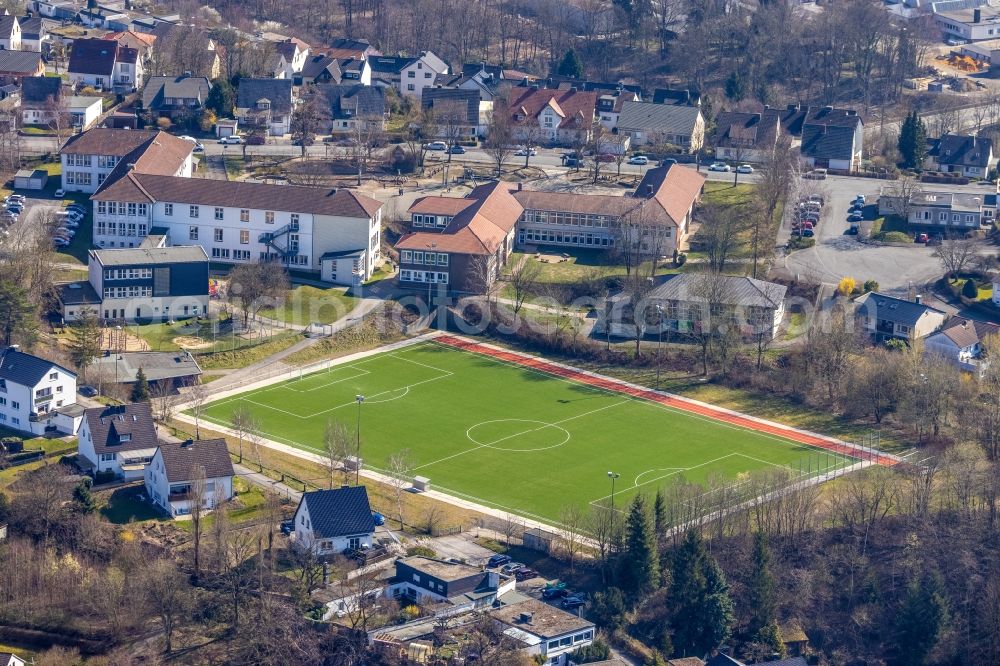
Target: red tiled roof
(673, 189)
(440, 205)
(576, 107)
(479, 228)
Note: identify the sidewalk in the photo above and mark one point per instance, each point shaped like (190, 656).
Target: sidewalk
(267, 483)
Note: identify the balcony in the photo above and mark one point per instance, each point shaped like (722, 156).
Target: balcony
(42, 399)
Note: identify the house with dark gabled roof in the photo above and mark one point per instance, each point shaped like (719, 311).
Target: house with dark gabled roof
(35, 394)
(117, 439)
(961, 342)
(832, 138)
(331, 521)
(104, 63)
(11, 659)
(746, 137)
(319, 68)
(34, 32)
(173, 96)
(886, 317)
(10, 32)
(343, 47)
(351, 104)
(41, 97)
(658, 124)
(18, 65)
(181, 473)
(963, 155)
(265, 103)
(466, 110)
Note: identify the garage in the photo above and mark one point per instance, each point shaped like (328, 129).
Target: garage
(27, 179)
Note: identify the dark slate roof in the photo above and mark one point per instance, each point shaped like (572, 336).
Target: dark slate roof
(181, 458)
(791, 661)
(740, 291)
(720, 659)
(277, 91)
(345, 43)
(78, 293)
(7, 22)
(449, 97)
(888, 308)
(339, 512)
(93, 56)
(318, 64)
(828, 133)
(184, 87)
(25, 369)
(564, 82)
(31, 26)
(352, 101)
(672, 96)
(108, 425)
(37, 89)
(747, 130)
(658, 117)
(389, 64)
(19, 61)
(791, 117)
(470, 69)
(959, 150)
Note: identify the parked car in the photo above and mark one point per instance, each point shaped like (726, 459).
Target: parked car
(853, 230)
(551, 593)
(87, 391)
(511, 567)
(816, 198)
(571, 161)
(860, 199)
(605, 157)
(378, 518)
(806, 233)
(719, 166)
(59, 241)
(816, 174)
(855, 217)
(525, 152)
(233, 140)
(498, 561)
(921, 238)
(572, 602)
(456, 150)
(60, 193)
(525, 573)
(436, 145)
(641, 160)
(256, 140)
(14, 198)
(744, 168)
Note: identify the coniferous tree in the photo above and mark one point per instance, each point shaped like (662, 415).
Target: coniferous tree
(763, 626)
(570, 65)
(660, 515)
(922, 619)
(913, 141)
(699, 595)
(140, 389)
(640, 567)
(85, 340)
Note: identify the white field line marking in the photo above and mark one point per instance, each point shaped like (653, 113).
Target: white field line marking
(681, 469)
(518, 434)
(635, 481)
(362, 373)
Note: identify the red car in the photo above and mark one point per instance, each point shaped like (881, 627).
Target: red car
(605, 157)
(921, 238)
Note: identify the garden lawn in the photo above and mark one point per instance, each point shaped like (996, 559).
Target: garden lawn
(305, 305)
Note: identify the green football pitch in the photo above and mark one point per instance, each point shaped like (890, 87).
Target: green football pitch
(507, 436)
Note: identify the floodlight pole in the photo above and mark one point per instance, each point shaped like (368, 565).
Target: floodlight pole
(357, 461)
(659, 341)
(613, 476)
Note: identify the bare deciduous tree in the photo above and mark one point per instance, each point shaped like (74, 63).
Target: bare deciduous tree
(400, 467)
(956, 253)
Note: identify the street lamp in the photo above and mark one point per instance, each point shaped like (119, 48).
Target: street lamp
(118, 346)
(659, 341)
(357, 460)
(613, 476)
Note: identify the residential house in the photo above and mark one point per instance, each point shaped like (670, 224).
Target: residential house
(236, 221)
(351, 104)
(110, 16)
(746, 137)
(448, 588)
(967, 22)
(19, 65)
(459, 112)
(481, 77)
(555, 117)
(355, 70)
(104, 63)
(722, 659)
(352, 48)
(41, 100)
(941, 211)
(278, 67)
(680, 96)
(204, 58)
(295, 52)
(91, 157)
(962, 155)
(84, 111)
(409, 75)
(164, 371)
(328, 522)
(265, 103)
(886, 317)
(145, 283)
(566, 82)
(663, 124)
(140, 41)
(10, 659)
(319, 68)
(755, 307)
(10, 32)
(176, 96)
(960, 341)
(544, 630)
(609, 107)
(832, 138)
(462, 243)
(182, 474)
(35, 393)
(117, 439)
(60, 10)
(469, 252)
(34, 33)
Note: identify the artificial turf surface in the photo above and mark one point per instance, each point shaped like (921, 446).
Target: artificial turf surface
(506, 436)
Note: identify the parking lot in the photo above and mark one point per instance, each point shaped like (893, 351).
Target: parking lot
(31, 222)
(838, 254)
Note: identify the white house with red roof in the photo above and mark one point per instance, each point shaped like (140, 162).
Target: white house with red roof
(561, 116)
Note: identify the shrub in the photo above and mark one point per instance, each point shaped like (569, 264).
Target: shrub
(104, 477)
(870, 285)
(846, 286)
(800, 243)
(680, 260)
(970, 290)
(420, 551)
(163, 123)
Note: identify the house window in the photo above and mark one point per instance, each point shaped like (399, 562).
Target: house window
(132, 209)
(411, 75)
(219, 213)
(192, 233)
(102, 207)
(244, 237)
(406, 256)
(15, 405)
(410, 86)
(168, 209)
(218, 235)
(53, 375)
(295, 219)
(244, 215)
(354, 542)
(442, 259)
(193, 211)
(269, 217)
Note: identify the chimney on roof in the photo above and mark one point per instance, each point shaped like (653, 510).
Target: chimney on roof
(187, 444)
(14, 347)
(520, 186)
(131, 166)
(793, 107)
(185, 74)
(524, 618)
(918, 299)
(649, 190)
(977, 15)
(572, 89)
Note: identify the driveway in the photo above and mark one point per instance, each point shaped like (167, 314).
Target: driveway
(458, 546)
(836, 254)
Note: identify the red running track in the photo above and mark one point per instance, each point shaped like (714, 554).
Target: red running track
(608, 384)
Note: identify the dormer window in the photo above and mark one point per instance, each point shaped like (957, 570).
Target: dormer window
(125, 437)
(263, 104)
